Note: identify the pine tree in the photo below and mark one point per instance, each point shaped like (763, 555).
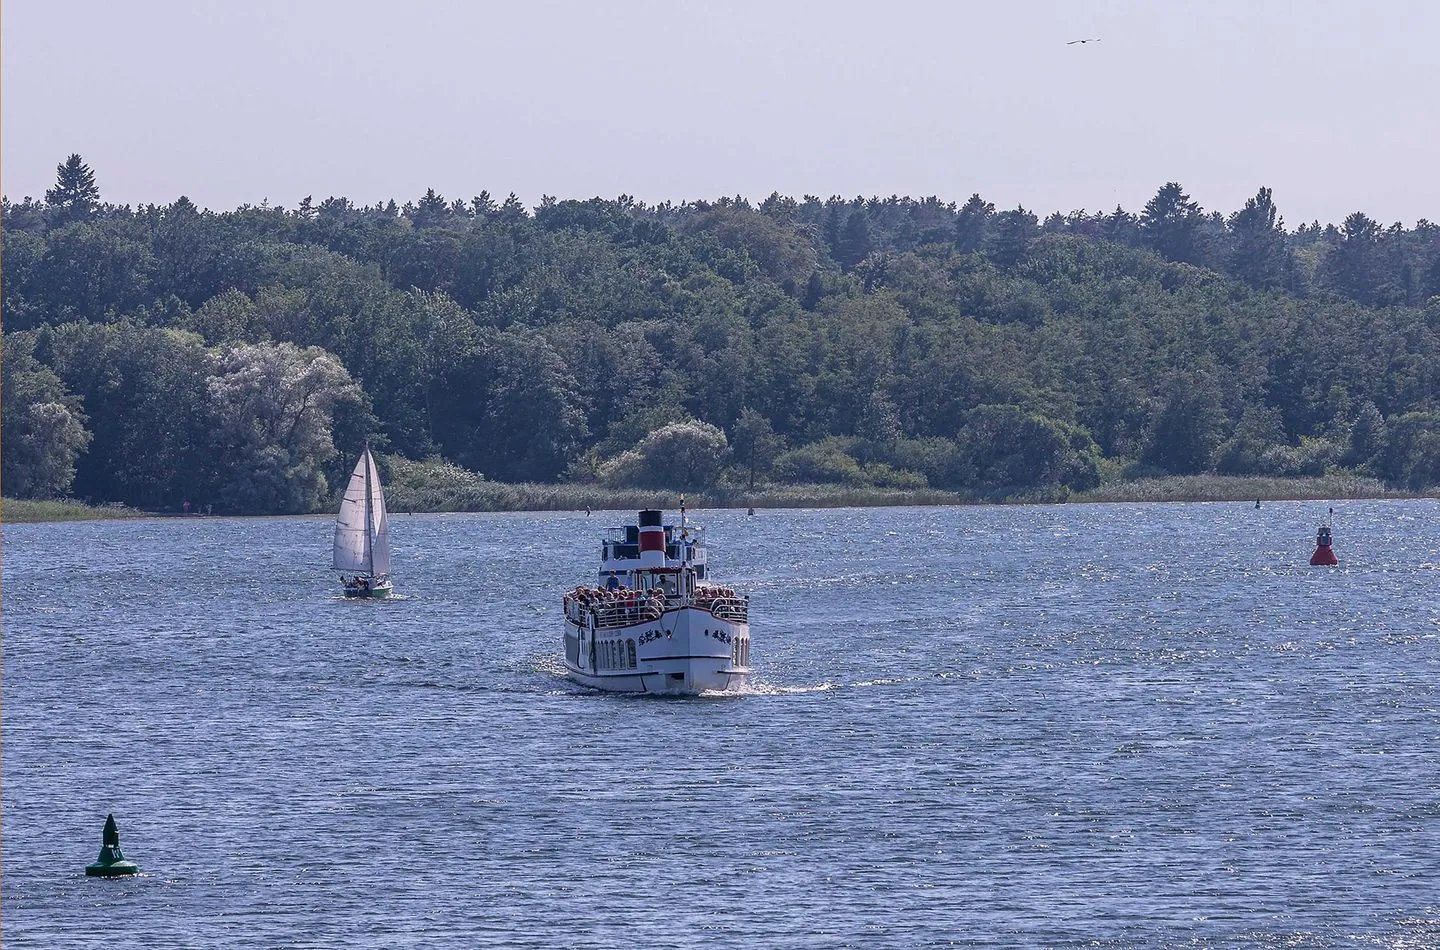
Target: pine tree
(433, 209)
(75, 196)
(971, 223)
(1170, 225)
(1258, 254)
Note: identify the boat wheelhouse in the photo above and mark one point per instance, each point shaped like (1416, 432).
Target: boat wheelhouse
(655, 622)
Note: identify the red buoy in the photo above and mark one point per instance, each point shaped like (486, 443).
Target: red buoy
(1324, 555)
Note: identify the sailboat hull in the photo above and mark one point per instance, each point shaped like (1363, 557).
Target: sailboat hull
(369, 593)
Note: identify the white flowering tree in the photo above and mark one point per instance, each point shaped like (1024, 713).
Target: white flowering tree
(274, 407)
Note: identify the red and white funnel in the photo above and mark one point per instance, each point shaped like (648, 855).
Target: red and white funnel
(652, 539)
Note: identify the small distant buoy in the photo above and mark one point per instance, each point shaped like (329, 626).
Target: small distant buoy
(111, 862)
(1257, 503)
(1324, 555)
(752, 511)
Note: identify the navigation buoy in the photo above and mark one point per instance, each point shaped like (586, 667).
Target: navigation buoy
(111, 862)
(1324, 555)
(1257, 503)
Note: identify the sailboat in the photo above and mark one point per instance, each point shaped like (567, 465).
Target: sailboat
(362, 534)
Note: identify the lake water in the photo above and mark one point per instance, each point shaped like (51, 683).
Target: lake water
(1110, 725)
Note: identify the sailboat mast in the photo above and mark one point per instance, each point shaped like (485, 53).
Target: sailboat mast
(369, 551)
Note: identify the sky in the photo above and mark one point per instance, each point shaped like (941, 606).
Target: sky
(1333, 105)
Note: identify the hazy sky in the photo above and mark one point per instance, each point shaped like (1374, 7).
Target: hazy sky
(1334, 105)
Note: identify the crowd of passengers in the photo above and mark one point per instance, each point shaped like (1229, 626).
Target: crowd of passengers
(640, 604)
(635, 604)
(707, 594)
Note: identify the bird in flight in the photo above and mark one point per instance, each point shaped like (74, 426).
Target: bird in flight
(1073, 42)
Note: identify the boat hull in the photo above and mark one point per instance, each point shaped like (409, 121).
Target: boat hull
(685, 651)
(369, 593)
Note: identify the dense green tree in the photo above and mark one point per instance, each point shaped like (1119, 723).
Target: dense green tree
(1122, 227)
(855, 243)
(1369, 436)
(1187, 429)
(28, 215)
(1010, 450)
(782, 252)
(195, 254)
(1010, 237)
(510, 409)
(686, 455)
(1257, 445)
(972, 224)
(879, 425)
(1353, 264)
(144, 393)
(44, 428)
(92, 269)
(754, 444)
(1412, 452)
(21, 259)
(827, 461)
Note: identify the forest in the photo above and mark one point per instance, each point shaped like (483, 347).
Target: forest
(240, 360)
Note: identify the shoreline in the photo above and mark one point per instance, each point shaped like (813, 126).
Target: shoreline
(520, 498)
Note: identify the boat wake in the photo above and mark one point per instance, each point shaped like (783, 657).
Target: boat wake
(770, 689)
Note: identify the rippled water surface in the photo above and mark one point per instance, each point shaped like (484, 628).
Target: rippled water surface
(1147, 725)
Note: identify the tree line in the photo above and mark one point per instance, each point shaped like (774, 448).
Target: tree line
(240, 359)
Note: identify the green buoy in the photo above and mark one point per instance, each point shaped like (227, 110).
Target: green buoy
(111, 862)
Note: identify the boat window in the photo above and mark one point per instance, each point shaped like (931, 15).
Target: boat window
(630, 648)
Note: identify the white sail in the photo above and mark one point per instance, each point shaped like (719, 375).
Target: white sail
(379, 523)
(353, 537)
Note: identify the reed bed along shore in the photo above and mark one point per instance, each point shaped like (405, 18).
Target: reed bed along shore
(498, 496)
(1243, 488)
(19, 510)
(480, 495)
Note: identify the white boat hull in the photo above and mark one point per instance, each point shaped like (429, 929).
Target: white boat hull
(685, 651)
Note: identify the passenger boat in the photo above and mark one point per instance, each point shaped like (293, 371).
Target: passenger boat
(655, 623)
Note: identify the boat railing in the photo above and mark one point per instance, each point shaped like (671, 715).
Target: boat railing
(625, 612)
(734, 609)
(614, 614)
